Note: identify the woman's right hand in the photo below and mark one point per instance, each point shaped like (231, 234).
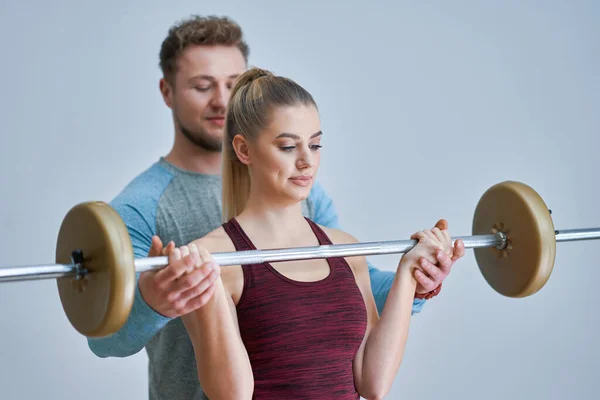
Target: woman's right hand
(429, 242)
(184, 285)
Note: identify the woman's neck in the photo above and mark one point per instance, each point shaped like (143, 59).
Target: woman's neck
(266, 218)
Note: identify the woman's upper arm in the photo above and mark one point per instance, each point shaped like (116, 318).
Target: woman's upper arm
(363, 281)
(215, 242)
(360, 268)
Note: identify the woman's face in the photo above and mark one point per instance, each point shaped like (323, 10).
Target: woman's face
(285, 157)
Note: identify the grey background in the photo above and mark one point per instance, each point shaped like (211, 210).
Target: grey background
(424, 106)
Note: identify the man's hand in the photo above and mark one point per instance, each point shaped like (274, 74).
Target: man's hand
(179, 288)
(430, 276)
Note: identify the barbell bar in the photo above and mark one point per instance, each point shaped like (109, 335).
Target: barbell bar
(224, 259)
(514, 241)
(76, 270)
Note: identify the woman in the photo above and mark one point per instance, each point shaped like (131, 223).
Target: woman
(302, 329)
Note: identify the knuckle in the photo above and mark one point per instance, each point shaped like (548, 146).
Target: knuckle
(179, 268)
(179, 306)
(201, 272)
(200, 290)
(188, 260)
(171, 298)
(431, 270)
(188, 281)
(158, 283)
(160, 287)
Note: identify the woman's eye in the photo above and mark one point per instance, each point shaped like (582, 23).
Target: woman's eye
(287, 148)
(316, 146)
(202, 89)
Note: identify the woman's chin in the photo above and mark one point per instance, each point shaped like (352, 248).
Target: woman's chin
(297, 194)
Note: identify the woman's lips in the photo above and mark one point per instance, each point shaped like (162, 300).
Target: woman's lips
(301, 180)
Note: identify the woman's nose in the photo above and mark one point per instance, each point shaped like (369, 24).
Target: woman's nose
(304, 159)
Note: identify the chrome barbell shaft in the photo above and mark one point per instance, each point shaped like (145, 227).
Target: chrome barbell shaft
(324, 251)
(54, 271)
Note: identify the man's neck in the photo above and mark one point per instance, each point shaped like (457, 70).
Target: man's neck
(195, 159)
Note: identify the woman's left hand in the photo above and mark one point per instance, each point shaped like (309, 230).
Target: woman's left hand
(430, 276)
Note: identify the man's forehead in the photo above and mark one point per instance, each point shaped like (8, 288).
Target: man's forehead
(212, 62)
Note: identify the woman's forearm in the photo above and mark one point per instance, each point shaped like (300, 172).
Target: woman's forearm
(386, 342)
(223, 365)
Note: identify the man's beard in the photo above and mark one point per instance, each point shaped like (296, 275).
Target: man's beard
(201, 138)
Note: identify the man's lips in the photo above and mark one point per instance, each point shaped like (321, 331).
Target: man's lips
(220, 121)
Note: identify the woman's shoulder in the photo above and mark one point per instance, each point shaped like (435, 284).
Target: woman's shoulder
(338, 236)
(216, 241)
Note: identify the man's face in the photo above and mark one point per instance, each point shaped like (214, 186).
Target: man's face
(204, 79)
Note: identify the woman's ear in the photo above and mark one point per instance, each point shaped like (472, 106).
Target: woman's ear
(240, 146)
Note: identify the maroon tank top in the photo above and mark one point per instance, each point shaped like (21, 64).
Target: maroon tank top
(301, 337)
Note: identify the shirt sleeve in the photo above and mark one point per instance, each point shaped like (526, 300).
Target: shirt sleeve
(143, 322)
(324, 213)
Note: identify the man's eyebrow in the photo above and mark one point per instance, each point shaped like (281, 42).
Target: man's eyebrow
(212, 78)
(294, 136)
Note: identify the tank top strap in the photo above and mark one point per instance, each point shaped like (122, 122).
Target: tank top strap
(338, 265)
(238, 236)
(242, 243)
(321, 235)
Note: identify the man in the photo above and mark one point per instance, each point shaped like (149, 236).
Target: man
(177, 200)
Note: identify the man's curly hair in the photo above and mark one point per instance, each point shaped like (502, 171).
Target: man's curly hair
(199, 30)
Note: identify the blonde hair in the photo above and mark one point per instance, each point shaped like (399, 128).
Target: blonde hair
(256, 94)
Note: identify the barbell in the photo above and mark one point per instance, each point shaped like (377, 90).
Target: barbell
(514, 241)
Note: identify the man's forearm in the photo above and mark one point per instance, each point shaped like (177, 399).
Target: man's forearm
(141, 326)
(381, 283)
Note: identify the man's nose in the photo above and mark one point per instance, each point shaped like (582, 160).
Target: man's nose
(220, 97)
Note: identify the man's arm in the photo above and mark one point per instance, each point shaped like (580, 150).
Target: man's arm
(323, 213)
(381, 282)
(143, 322)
